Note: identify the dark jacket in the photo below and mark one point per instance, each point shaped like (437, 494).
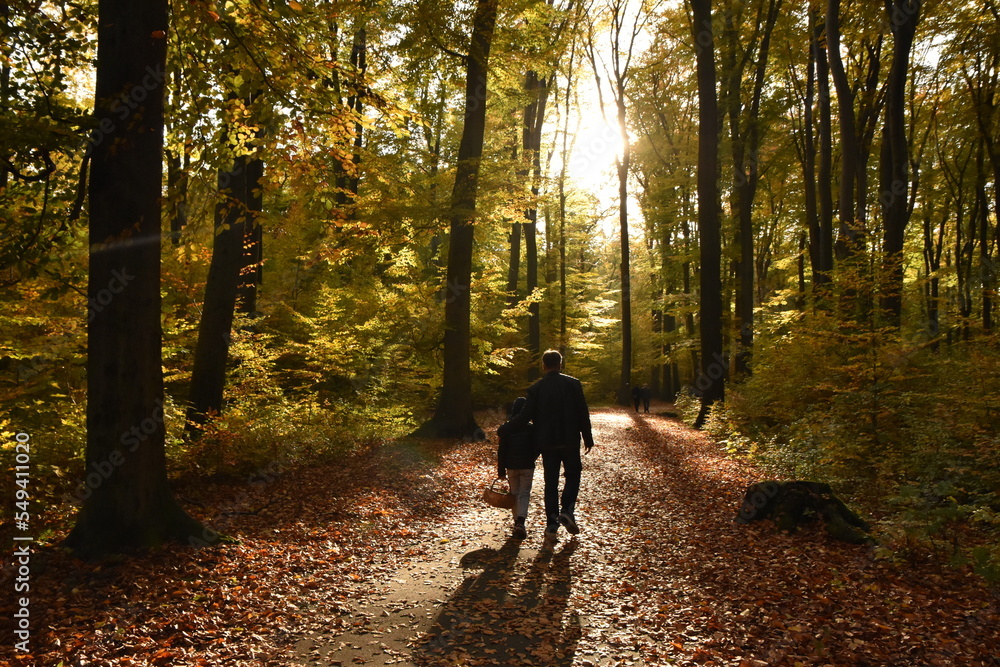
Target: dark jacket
(517, 449)
(558, 409)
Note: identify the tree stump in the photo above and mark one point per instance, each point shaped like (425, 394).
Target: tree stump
(792, 504)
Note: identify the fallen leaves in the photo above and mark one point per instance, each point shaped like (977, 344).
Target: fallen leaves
(372, 549)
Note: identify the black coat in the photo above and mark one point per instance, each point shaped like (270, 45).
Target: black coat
(516, 450)
(557, 408)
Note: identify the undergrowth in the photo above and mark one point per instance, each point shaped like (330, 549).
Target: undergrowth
(903, 424)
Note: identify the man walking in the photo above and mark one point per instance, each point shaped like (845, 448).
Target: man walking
(558, 409)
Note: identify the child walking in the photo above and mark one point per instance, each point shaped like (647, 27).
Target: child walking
(516, 457)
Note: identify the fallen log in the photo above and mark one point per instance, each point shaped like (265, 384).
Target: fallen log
(795, 503)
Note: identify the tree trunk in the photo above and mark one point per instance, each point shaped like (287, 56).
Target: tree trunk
(689, 325)
(453, 417)
(359, 63)
(346, 167)
(252, 268)
(903, 16)
(177, 192)
(531, 270)
(5, 51)
(808, 147)
(933, 248)
(514, 266)
(825, 170)
(562, 246)
(129, 504)
(746, 176)
(622, 164)
(713, 367)
(562, 203)
(211, 355)
(850, 237)
(531, 134)
(980, 225)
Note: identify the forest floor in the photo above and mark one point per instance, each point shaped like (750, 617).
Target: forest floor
(389, 557)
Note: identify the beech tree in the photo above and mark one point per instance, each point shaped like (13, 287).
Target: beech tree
(745, 134)
(128, 502)
(454, 417)
(902, 16)
(711, 379)
(235, 224)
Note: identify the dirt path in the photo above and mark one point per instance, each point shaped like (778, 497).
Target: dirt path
(659, 575)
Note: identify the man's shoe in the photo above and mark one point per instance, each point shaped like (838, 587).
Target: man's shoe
(519, 533)
(550, 532)
(566, 519)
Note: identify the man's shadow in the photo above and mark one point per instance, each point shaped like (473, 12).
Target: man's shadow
(506, 618)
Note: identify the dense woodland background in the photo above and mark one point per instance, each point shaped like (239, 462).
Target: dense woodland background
(834, 266)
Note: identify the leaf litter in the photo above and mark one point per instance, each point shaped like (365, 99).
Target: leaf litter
(389, 557)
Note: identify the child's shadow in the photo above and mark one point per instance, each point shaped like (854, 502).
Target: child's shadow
(507, 618)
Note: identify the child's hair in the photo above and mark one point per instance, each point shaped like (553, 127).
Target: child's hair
(517, 406)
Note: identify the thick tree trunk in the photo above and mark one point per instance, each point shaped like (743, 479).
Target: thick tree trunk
(713, 366)
(453, 417)
(129, 503)
(903, 16)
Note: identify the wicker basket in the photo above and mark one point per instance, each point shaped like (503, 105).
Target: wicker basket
(497, 499)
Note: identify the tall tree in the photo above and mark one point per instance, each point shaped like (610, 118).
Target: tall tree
(537, 88)
(851, 236)
(453, 416)
(711, 380)
(746, 130)
(234, 218)
(976, 50)
(130, 504)
(538, 81)
(825, 242)
(903, 16)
